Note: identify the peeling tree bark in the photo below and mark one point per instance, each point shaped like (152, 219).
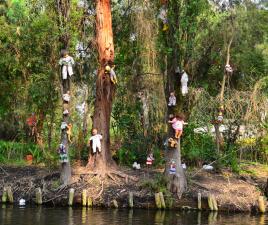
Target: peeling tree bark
(105, 90)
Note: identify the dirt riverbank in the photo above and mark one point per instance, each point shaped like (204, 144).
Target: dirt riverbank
(233, 192)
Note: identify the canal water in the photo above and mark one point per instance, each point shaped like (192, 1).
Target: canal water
(77, 216)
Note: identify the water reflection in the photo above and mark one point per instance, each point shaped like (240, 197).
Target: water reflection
(74, 216)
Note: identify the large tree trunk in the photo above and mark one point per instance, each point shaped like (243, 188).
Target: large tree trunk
(105, 90)
(63, 10)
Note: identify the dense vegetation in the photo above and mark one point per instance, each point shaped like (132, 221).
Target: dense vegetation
(197, 40)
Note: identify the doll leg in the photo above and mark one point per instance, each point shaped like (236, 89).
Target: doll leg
(178, 134)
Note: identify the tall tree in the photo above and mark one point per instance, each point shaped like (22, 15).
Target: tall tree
(105, 90)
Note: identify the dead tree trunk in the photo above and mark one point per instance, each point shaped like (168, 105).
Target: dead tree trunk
(105, 90)
(63, 10)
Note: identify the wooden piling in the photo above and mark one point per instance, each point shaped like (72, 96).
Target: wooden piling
(157, 200)
(199, 201)
(163, 204)
(4, 196)
(84, 197)
(210, 203)
(10, 195)
(114, 204)
(214, 202)
(89, 202)
(130, 199)
(261, 204)
(38, 196)
(71, 197)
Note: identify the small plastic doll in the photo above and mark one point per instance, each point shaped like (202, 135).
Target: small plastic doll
(95, 141)
(228, 68)
(184, 81)
(172, 169)
(63, 153)
(177, 124)
(66, 63)
(172, 99)
(150, 159)
(110, 70)
(66, 97)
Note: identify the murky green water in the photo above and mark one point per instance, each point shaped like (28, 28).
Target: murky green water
(78, 216)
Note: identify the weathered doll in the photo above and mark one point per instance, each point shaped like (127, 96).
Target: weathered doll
(163, 17)
(184, 81)
(110, 70)
(66, 97)
(228, 68)
(63, 153)
(177, 124)
(95, 141)
(66, 63)
(150, 159)
(172, 169)
(172, 99)
(69, 132)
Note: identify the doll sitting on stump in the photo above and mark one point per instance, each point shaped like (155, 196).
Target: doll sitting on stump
(95, 141)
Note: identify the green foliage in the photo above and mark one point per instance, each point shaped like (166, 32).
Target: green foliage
(197, 147)
(157, 184)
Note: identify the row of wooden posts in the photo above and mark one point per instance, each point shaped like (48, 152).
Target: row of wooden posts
(159, 199)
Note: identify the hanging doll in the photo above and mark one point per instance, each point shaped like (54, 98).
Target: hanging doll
(66, 63)
(172, 143)
(150, 159)
(163, 17)
(32, 122)
(172, 169)
(172, 99)
(184, 81)
(66, 112)
(110, 70)
(228, 69)
(95, 141)
(63, 153)
(66, 97)
(64, 125)
(69, 132)
(177, 124)
(220, 117)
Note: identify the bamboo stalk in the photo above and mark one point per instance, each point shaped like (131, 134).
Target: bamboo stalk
(163, 204)
(89, 202)
(157, 200)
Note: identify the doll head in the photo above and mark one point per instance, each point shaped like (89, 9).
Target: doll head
(94, 131)
(64, 53)
(180, 116)
(172, 93)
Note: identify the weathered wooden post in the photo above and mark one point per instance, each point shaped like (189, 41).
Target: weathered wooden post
(261, 204)
(89, 202)
(71, 197)
(130, 199)
(199, 201)
(10, 194)
(114, 204)
(157, 200)
(84, 198)
(4, 196)
(38, 196)
(210, 203)
(163, 204)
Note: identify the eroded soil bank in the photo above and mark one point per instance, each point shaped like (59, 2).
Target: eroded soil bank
(232, 192)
